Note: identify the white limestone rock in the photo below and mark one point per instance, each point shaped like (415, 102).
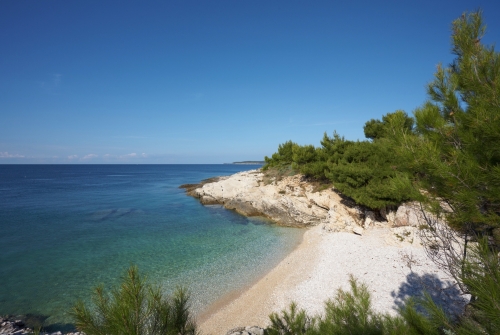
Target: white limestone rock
(358, 230)
(292, 202)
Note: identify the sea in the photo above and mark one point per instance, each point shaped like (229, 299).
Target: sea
(65, 229)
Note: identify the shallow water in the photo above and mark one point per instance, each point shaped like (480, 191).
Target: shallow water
(66, 228)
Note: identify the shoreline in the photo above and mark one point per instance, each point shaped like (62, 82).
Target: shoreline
(253, 304)
(381, 249)
(228, 298)
(320, 265)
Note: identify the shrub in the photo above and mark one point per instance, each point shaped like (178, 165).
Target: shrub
(283, 157)
(366, 171)
(134, 308)
(348, 313)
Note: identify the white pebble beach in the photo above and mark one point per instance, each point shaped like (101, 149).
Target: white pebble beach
(320, 265)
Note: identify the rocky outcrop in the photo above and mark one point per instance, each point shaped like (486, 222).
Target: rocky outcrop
(408, 214)
(292, 201)
(10, 326)
(13, 327)
(289, 202)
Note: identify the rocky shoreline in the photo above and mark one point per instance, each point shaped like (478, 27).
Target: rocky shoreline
(293, 201)
(381, 248)
(16, 326)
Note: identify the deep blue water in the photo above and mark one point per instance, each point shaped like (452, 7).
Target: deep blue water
(66, 228)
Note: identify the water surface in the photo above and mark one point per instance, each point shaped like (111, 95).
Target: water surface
(66, 228)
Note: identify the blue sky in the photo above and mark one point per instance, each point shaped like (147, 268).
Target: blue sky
(210, 81)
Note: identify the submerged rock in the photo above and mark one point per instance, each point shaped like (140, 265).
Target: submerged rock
(13, 326)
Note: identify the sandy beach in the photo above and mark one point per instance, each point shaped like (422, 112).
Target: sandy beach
(320, 265)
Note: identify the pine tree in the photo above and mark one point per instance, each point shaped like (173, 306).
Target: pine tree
(134, 308)
(376, 129)
(454, 156)
(457, 151)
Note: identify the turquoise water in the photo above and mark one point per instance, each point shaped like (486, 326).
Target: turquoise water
(66, 228)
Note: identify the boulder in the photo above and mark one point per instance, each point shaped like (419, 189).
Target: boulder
(388, 214)
(357, 230)
(370, 219)
(409, 214)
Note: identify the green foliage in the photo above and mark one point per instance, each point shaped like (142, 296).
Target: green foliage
(348, 313)
(135, 308)
(455, 157)
(482, 276)
(451, 151)
(376, 129)
(304, 154)
(291, 322)
(284, 156)
(368, 172)
(433, 322)
(309, 161)
(351, 313)
(456, 153)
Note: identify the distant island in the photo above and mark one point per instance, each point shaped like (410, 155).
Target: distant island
(248, 163)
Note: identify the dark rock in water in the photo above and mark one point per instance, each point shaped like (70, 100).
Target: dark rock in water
(25, 324)
(13, 327)
(189, 187)
(115, 213)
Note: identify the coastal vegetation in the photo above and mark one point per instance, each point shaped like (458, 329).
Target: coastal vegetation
(446, 156)
(351, 312)
(135, 308)
(367, 171)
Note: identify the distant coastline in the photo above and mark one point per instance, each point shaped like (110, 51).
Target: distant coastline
(248, 163)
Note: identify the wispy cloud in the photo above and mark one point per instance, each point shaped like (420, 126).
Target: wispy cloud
(131, 155)
(89, 156)
(5, 154)
(108, 157)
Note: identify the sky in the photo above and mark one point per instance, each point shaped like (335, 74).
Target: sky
(208, 82)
